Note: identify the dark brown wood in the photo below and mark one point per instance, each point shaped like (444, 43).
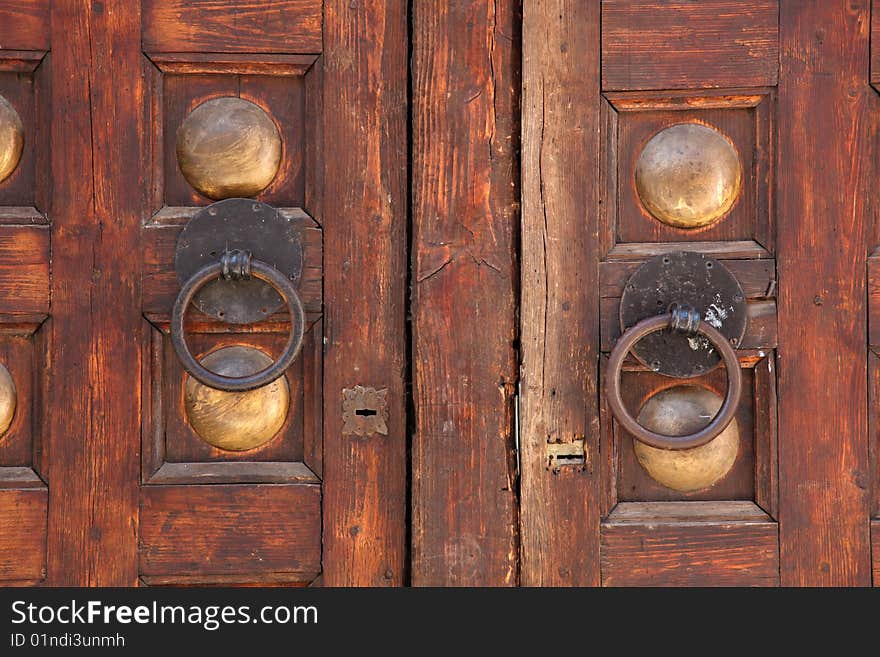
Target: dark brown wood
(95, 342)
(24, 269)
(560, 310)
(16, 444)
(766, 437)
(363, 212)
(231, 529)
(826, 173)
(681, 44)
(465, 211)
(875, 42)
(224, 26)
(24, 24)
(23, 530)
(689, 544)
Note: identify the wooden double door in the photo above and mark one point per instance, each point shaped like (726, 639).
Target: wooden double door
(391, 143)
(119, 122)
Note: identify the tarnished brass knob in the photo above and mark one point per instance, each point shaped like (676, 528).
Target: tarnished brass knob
(237, 421)
(228, 147)
(688, 175)
(11, 139)
(7, 399)
(679, 411)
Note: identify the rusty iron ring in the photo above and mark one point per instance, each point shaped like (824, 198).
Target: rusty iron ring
(265, 273)
(718, 424)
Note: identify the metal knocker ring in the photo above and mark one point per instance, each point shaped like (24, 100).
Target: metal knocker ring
(234, 265)
(725, 414)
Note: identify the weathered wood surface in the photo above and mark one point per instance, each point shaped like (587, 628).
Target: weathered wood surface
(23, 510)
(231, 529)
(826, 177)
(689, 544)
(95, 345)
(560, 305)
(252, 26)
(24, 24)
(364, 214)
(682, 44)
(465, 211)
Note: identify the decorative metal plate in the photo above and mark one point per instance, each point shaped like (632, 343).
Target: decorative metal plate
(239, 223)
(688, 278)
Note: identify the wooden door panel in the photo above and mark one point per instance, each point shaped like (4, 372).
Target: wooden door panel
(250, 26)
(658, 44)
(101, 465)
(802, 129)
(24, 297)
(262, 503)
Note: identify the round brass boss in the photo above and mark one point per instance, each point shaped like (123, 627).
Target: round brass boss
(7, 399)
(236, 421)
(228, 147)
(688, 175)
(11, 139)
(679, 411)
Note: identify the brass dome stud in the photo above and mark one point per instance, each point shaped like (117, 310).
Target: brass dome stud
(228, 147)
(236, 421)
(688, 175)
(11, 139)
(680, 411)
(7, 399)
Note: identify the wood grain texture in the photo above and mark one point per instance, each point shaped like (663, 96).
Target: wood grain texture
(681, 44)
(689, 544)
(24, 269)
(826, 180)
(23, 530)
(24, 24)
(756, 277)
(560, 310)
(875, 551)
(364, 214)
(252, 26)
(875, 43)
(465, 211)
(93, 423)
(230, 529)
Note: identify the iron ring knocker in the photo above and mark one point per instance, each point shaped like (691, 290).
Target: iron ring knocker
(238, 265)
(686, 320)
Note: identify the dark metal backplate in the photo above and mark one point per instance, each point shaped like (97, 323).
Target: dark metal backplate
(689, 278)
(248, 225)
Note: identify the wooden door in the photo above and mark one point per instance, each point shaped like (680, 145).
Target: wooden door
(113, 465)
(767, 108)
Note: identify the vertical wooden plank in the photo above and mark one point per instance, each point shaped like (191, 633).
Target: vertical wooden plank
(465, 211)
(826, 181)
(95, 359)
(560, 309)
(364, 212)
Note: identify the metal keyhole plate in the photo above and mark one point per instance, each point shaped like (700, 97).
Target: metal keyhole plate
(683, 277)
(248, 225)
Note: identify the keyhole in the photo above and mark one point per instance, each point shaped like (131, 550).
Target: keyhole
(366, 412)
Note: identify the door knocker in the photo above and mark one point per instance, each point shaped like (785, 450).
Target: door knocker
(682, 314)
(238, 261)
